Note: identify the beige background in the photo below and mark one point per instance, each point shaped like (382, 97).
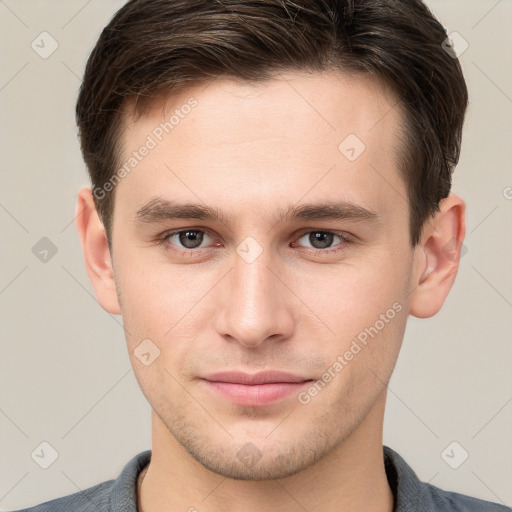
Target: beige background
(65, 376)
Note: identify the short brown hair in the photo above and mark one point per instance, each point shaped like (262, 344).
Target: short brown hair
(152, 47)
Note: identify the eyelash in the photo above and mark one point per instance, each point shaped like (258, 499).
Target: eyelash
(164, 240)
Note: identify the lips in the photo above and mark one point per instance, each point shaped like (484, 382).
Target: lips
(270, 376)
(257, 389)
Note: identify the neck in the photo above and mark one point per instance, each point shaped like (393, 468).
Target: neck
(352, 477)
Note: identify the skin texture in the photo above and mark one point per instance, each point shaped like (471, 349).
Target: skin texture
(253, 151)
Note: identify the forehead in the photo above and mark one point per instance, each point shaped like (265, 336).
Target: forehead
(324, 98)
(261, 140)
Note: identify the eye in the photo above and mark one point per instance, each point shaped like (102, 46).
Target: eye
(185, 240)
(188, 242)
(321, 241)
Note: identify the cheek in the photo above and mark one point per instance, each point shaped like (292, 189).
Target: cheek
(155, 298)
(365, 306)
(167, 306)
(352, 295)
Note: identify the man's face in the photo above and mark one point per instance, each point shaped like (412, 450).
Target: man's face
(261, 290)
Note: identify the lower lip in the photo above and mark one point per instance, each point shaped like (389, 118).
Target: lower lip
(257, 394)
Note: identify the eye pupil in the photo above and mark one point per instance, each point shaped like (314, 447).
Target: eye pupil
(191, 239)
(324, 238)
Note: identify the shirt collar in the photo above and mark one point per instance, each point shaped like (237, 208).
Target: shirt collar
(410, 494)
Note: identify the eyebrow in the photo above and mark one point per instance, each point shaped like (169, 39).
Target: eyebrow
(159, 209)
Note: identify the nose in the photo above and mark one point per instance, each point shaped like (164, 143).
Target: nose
(255, 303)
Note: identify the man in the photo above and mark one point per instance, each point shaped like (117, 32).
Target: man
(270, 200)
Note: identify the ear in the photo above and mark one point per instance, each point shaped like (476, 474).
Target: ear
(437, 257)
(96, 252)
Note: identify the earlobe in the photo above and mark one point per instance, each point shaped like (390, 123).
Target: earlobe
(437, 258)
(96, 252)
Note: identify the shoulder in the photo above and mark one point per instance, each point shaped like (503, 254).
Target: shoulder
(411, 494)
(94, 498)
(455, 502)
(119, 495)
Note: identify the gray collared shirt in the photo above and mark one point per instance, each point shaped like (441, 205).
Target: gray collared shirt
(410, 494)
